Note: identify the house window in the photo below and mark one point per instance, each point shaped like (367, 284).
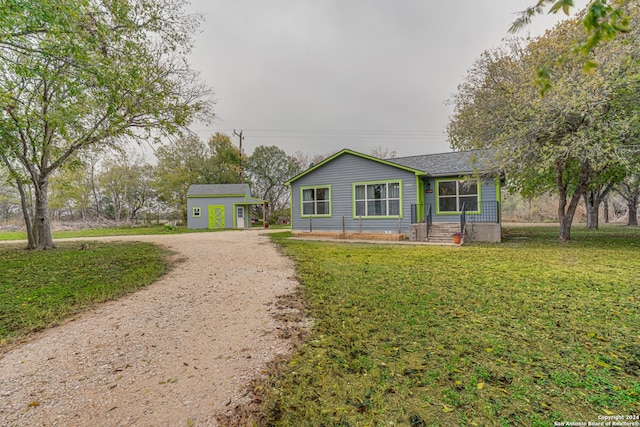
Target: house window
(316, 201)
(196, 212)
(377, 199)
(452, 194)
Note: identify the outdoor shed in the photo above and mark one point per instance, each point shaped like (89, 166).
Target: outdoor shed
(220, 206)
(418, 196)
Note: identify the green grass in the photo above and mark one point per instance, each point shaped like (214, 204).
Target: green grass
(527, 332)
(117, 231)
(41, 288)
(100, 232)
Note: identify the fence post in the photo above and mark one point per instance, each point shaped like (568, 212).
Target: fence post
(343, 229)
(310, 224)
(360, 224)
(399, 226)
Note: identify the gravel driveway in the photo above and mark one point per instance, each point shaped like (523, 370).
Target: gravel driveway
(176, 353)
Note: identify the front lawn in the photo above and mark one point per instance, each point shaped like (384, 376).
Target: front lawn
(106, 231)
(41, 288)
(527, 332)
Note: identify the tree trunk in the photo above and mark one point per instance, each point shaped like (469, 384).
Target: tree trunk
(567, 219)
(567, 212)
(592, 204)
(632, 204)
(32, 241)
(42, 224)
(94, 190)
(606, 209)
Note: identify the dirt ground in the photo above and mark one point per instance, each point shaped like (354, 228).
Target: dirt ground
(177, 353)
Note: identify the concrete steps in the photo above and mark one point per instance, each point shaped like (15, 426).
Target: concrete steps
(441, 232)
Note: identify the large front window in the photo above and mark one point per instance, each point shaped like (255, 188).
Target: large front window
(377, 199)
(316, 201)
(452, 194)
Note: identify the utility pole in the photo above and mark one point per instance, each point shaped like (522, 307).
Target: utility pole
(240, 137)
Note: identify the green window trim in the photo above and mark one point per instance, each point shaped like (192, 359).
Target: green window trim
(420, 199)
(367, 200)
(315, 202)
(196, 212)
(457, 195)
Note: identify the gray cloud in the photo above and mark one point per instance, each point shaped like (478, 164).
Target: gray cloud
(318, 76)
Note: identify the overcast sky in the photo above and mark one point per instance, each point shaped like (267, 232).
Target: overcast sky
(318, 76)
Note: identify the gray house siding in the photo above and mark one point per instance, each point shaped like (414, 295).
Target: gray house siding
(339, 175)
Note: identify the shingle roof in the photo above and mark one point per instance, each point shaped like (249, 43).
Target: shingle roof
(453, 163)
(211, 189)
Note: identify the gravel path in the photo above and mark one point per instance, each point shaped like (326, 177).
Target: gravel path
(176, 353)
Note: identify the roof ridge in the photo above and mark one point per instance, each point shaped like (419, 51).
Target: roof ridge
(439, 154)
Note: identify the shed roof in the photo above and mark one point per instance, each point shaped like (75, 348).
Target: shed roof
(218, 189)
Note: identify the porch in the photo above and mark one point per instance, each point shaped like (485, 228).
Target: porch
(479, 225)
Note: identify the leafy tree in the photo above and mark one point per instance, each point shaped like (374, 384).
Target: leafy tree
(180, 164)
(629, 190)
(78, 74)
(9, 198)
(563, 141)
(125, 183)
(188, 160)
(602, 21)
(70, 189)
(593, 198)
(268, 168)
(223, 165)
(600, 187)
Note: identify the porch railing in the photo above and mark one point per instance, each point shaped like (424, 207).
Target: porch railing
(489, 212)
(416, 213)
(429, 221)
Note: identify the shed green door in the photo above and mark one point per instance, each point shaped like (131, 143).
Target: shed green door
(216, 217)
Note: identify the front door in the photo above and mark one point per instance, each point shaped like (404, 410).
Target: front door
(216, 217)
(240, 217)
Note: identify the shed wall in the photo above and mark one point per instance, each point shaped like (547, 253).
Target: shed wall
(204, 202)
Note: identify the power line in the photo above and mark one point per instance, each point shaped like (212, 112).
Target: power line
(334, 133)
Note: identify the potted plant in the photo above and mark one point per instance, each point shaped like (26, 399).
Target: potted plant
(457, 237)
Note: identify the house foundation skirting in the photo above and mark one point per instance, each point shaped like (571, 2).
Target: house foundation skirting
(351, 236)
(483, 232)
